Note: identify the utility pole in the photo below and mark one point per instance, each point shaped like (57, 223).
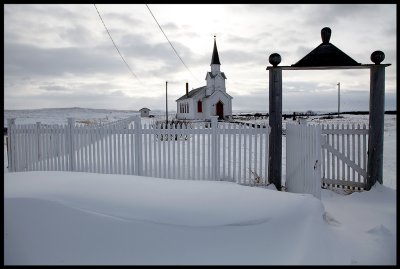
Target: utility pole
(166, 102)
(338, 112)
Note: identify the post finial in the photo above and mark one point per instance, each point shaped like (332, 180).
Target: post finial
(275, 59)
(326, 35)
(377, 57)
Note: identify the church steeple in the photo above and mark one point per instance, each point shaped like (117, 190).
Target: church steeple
(215, 57)
(215, 78)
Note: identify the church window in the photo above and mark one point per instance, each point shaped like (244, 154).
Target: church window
(199, 106)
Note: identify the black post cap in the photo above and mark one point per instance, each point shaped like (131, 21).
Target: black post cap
(274, 59)
(377, 56)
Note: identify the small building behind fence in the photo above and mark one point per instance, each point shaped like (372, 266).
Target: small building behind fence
(144, 112)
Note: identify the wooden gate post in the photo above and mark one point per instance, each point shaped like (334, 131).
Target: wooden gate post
(376, 120)
(275, 121)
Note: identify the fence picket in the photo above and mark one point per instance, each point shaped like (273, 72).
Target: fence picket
(209, 149)
(104, 147)
(244, 155)
(52, 149)
(255, 154)
(123, 147)
(229, 149)
(84, 149)
(353, 142)
(240, 153)
(27, 148)
(198, 138)
(338, 160)
(31, 144)
(364, 149)
(99, 149)
(132, 150)
(358, 152)
(155, 160)
(348, 152)
(224, 151)
(17, 148)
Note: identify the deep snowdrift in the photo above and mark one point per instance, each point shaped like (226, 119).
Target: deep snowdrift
(83, 218)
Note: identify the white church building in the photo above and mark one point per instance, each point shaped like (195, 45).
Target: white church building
(209, 100)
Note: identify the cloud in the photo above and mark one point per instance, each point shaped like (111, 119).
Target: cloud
(55, 54)
(264, 8)
(76, 35)
(252, 40)
(21, 24)
(331, 14)
(55, 88)
(30, 60)
(170, 26)
(121, 19)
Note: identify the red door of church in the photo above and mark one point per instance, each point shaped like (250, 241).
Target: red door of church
(220, 110)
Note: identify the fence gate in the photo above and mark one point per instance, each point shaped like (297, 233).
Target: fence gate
(344, 155)
(303, 162)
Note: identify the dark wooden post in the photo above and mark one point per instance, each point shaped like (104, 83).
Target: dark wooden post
(275, 121)
(376, 120)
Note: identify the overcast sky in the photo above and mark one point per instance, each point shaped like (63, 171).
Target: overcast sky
(62, 56)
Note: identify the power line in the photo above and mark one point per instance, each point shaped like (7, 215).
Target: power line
(170, 43)
(115, 45)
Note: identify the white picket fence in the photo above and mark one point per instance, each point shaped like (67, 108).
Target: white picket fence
(344, 155)
(303, 159)
(216, 151)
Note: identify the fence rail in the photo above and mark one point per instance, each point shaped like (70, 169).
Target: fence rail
(216, 151)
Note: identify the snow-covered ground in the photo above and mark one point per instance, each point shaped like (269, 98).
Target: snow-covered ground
(60, 115)
(86, 218)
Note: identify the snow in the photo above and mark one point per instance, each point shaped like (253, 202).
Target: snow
(60, 115)
(65, 218)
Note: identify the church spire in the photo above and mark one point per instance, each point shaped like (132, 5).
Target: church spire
(215, 57)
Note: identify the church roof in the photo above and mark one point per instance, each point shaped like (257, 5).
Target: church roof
(213, 76)
(191, 93)
(215, 57)
(326, 54)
